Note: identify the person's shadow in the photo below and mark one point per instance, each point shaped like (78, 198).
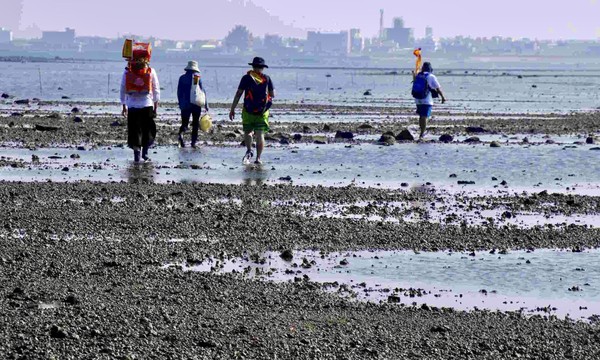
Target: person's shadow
(141, 173)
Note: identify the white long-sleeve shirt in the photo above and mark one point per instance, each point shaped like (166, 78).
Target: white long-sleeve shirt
(140, 101)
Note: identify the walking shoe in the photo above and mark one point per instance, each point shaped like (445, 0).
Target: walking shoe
(180, 140)
(258, 162)
(248, 157)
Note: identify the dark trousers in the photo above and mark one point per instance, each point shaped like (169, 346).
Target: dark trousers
(194, 113)
(141, 128)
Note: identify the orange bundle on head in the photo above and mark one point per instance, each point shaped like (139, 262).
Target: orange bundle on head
(137, 51)
(418, 54)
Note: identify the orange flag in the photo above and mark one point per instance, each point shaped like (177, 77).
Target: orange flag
(417, 53)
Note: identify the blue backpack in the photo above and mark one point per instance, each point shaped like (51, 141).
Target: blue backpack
(420, 88)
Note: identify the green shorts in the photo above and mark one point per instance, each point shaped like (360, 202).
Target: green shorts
(254, 122)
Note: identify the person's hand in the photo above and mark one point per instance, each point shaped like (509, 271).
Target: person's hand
(124, 111)
(207, 109)
(232, 114)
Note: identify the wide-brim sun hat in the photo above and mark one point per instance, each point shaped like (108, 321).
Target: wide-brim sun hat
(192, 66)
(258, 62)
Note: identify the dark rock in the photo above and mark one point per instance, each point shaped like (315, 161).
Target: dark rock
(58, 333)
(16, 114)
(368, 93)
(116, 123)
(394, 299)
(307, 130)
(503, 183)
(590, 140)
(285, 178)
(344, 262)
(404, 185)
(440, 329)
(326, 127)
(54, 116)
(495, 144)
(387, 139)
(5, 96)
(405, 135)
(75, 110)
(464, 182)
(366, 127)
(595, 149)
(321, 140)
(346, 135)
(287, 255)
(65, 169)
(65, 97)
(475, 130)
(72, 300)
(78, 119)
(46, 128)
(75, 156)
(23, 102)
(446, 138)
(507, 215)
(473, 139)
(35, 158)
(297, 137)
(453, 176)
(284, 141)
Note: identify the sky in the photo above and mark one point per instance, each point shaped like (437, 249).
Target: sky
(212, 19)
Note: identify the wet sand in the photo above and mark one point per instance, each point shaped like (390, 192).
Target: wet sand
(81, 264)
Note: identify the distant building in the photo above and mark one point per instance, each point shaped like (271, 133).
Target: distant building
(402, 36)
(328, 43)
(61, 39)
(6, 36)
(357, 43)
(429, 32)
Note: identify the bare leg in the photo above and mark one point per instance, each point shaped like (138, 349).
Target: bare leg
(422, 125)
(260, 144)
(248, 140)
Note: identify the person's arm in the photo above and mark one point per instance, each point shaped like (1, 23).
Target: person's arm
(439, 90)
(271, 88)
(155, 90)
(180, 92)
(123, 95)
(236, 101)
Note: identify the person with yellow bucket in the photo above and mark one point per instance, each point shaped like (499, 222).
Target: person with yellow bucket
(192, 98)
(140, 95)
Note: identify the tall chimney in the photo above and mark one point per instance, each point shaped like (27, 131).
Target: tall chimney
(381, 28)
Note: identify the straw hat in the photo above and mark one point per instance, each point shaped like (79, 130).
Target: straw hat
(192, 66)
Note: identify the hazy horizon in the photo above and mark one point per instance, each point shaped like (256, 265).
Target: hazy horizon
(192, 20)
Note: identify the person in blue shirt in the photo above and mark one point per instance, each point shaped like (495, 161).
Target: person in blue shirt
(188, 109)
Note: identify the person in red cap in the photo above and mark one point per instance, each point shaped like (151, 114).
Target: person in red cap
(259, 93)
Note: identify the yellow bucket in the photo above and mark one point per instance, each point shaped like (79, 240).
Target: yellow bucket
(205, 123)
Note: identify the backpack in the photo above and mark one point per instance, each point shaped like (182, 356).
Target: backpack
(420, 88)
(258, 100)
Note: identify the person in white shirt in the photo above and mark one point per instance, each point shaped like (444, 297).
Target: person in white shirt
(424, 99)
(140, 95)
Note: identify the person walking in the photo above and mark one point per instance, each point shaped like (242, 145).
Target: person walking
(187, 105)
(258, 92)
(140, 96)
(425, 88)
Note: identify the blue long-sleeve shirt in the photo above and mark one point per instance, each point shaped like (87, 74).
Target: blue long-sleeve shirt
(184, 89)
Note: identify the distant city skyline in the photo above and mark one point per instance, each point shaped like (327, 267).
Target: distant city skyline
(192, 20)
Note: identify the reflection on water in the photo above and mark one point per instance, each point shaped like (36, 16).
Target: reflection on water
(454, 167)
(255, 175)
(140, 173)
